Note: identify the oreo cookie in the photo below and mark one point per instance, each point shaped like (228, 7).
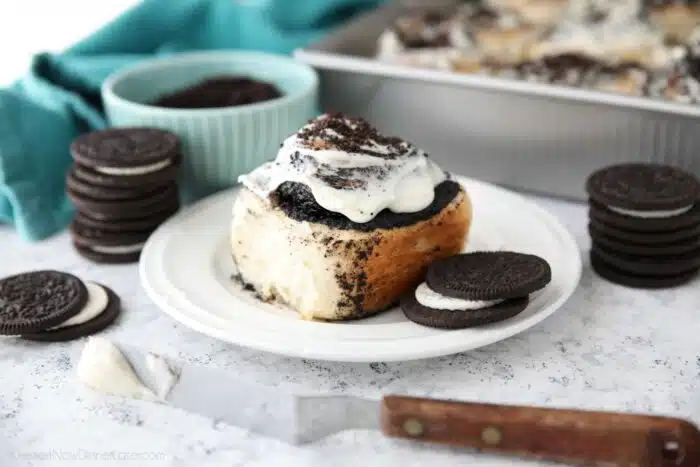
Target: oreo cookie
(687, 246)
(80, 188)
(130, 208)
(144, 222)
(646, 238)
(86, 175)
(37, 300)
(126, 152)
(490, 275)
(610, 273)
(100, 311)
(106, 246)
(640, 221)
(475, 289)
(459, 319)
(644, 265)
(641, 187)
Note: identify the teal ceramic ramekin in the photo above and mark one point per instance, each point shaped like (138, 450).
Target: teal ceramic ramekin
(218, 144)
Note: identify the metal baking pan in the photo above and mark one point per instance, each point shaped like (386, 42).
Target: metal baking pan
(528, 136)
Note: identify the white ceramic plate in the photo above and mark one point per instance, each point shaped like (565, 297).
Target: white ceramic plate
(186, 269)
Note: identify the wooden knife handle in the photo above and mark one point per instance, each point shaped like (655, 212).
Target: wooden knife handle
(573, 436)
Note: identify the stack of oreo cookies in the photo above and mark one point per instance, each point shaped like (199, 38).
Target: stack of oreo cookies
(644, 222)
(123, 184)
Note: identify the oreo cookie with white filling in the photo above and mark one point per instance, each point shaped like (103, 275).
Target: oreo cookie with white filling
(102, 308)
(129, 208)
(141, 223)
(647, 265)
(89, 176)
(686, 246)
(645, 238)
(36, 300)
(108, 247)
(474, 289)
(488, 275)
(128, 153)
(625, 278)
(644, 187)
(460, 319)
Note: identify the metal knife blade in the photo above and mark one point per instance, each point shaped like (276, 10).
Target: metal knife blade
(222, 395)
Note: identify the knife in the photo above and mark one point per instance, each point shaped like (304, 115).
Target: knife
(572, 436)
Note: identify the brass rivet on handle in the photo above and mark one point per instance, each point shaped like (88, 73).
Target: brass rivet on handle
(491, 435)
(413, 427)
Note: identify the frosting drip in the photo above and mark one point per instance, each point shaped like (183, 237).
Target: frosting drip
(351, 169)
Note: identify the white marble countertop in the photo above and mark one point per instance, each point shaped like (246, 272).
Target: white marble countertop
(608, 348)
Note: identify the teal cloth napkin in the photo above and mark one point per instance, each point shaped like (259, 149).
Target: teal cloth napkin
(59, 98)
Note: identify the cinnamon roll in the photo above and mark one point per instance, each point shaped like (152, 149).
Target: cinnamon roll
(677, 19)
(345, 220)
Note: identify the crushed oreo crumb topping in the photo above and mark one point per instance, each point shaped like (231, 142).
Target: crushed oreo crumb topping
(352, 135)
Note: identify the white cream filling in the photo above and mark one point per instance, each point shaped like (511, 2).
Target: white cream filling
(431, 299)
(118, 249)
(401, 184)
(138, 170)
(104, 368)
(651, 214)
(96, 303)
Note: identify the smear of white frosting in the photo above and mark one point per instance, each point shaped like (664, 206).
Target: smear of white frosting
(115, 250)
(96, 303)
(405, 183)
(164, 374)
(104, 368)
(138, 170)
(651, 214)
(432, 299)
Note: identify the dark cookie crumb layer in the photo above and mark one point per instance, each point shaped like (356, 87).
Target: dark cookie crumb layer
(352, 135)
(218, 92)
(298, 203)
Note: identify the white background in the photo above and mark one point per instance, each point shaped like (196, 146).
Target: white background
(31, 26)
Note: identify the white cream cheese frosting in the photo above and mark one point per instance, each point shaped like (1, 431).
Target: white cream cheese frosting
(104, 368)
(660, 214)
(432, 299)
(164, 374)
(351, 169)
(138, 170)
(97, 302)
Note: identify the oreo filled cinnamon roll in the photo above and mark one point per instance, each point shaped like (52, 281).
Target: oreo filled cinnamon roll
(676, 18)
(502, 37)
(345, 220)
(425, 39)
(543, 13)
